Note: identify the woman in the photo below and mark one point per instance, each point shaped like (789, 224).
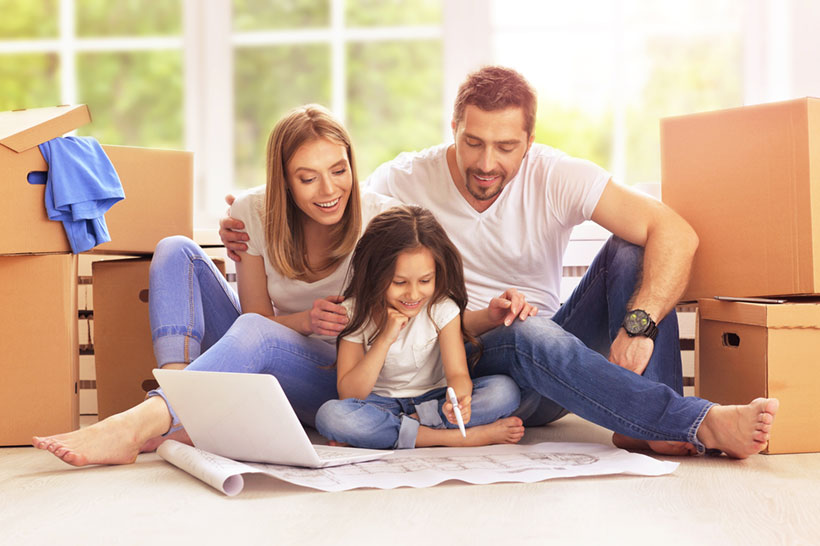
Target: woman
(302, 230)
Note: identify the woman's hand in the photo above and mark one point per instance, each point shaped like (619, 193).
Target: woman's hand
(327, 317)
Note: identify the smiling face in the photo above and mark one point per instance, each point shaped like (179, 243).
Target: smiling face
(320, 180)
(414, 281)
(489, 148)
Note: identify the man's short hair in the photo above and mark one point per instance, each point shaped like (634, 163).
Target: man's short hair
(496, 88)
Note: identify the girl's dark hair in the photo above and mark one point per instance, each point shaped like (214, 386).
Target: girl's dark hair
(373, 264)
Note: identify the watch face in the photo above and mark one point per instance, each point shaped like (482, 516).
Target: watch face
(636, 321)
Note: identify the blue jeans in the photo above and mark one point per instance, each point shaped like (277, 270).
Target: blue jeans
(195, 319)
(379, 422)
(561, 363)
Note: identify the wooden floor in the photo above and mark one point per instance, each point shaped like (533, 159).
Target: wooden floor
(767, 499)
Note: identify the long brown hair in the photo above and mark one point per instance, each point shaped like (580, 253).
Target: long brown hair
(397, 230)
(284, 236)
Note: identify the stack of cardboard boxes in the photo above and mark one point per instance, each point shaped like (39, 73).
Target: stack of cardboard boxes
(39, 345)
(748, 181)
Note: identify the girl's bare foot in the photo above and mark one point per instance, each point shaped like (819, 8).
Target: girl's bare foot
(115, 440)
(504, 431)
(739, 431)
(661, 447)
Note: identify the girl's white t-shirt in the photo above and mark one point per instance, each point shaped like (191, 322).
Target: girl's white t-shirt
(413, 364)
(519, 241)
(290, 296)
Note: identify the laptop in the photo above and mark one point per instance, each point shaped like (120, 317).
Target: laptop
(247, 417)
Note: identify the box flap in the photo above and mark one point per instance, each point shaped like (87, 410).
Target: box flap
(24, 129)
(783, 315)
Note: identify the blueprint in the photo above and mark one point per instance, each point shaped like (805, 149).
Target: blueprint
(426, 467)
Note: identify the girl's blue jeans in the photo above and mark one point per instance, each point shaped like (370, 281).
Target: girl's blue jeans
(561, 363)
(379, 422)
(196, 320)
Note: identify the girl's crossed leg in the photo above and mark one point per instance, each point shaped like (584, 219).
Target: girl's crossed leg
(379, 422)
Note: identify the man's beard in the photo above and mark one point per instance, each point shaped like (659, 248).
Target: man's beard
(483, 194)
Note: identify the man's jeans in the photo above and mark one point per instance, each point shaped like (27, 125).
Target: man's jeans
(561, 363)
(195, 318)
(379, 422)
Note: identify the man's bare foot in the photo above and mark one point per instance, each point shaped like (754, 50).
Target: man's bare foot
(504, 431)
(739, 431)
(179, 435)
(661, 447)
(115, 440)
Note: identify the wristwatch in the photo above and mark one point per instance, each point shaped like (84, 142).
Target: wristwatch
(637, 322)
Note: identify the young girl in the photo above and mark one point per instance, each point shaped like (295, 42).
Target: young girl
(404, 345)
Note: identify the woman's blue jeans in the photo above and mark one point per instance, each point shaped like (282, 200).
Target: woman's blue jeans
(196, 320)
(561, 363)
(379, 422)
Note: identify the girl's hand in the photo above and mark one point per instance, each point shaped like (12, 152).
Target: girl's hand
(509, 306)
(464, 403)
(327, 317)
(395, 322)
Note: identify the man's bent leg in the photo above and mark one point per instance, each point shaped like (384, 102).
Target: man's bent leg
(595, 310)
(541, 356)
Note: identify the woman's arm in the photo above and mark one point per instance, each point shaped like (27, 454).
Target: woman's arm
(454, 360)
(252, 281)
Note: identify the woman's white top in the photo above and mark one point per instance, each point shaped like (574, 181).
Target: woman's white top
(290, 296)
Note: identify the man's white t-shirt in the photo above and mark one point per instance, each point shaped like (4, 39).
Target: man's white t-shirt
(413, 364)
(290, 296)
(519, 241)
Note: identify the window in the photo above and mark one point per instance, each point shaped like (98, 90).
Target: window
(214, 76)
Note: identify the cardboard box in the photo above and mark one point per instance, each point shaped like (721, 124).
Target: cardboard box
(158, 188)
(38, 348)
(123, 351)
(748, 181)
(749, 350)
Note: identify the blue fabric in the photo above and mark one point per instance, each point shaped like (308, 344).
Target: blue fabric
(82, 185)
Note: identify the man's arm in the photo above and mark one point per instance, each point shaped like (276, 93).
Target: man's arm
(669, 246)
(231, 237)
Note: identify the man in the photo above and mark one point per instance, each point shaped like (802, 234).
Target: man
(610, 353)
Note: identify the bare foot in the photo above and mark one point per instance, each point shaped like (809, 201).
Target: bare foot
(179, 435)
(334, 443)
(739, 431)
(661, 447)
(115, 440)
(504, 431)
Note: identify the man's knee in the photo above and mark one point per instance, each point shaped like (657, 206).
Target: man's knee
(500, 393)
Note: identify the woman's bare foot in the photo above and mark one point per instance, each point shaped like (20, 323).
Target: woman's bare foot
(115, 440)
(504, 431)
(661, 447)
(739, 431)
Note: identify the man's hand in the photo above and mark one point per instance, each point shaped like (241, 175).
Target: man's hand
(508, 306)
(232, 239)
(632, 353)
(327, 317)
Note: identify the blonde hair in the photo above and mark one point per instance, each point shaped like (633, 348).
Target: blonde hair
(284, 237)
